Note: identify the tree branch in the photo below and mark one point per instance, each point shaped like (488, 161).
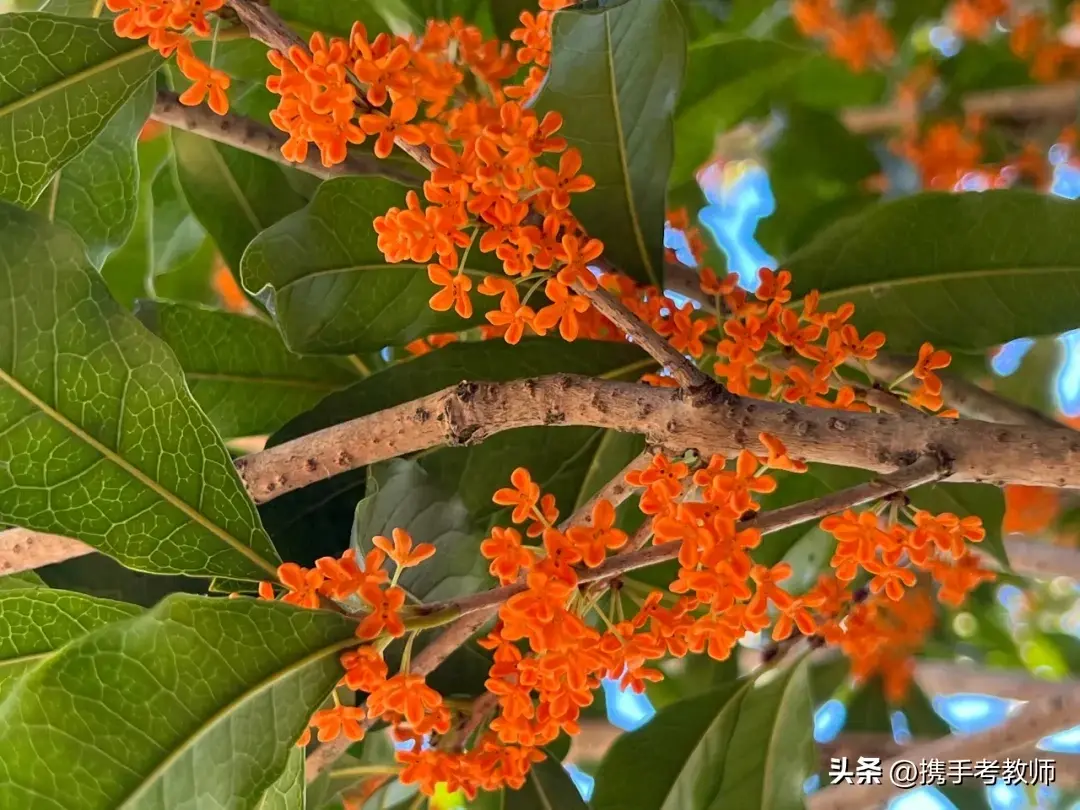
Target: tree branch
(265, 141)
(1031, 723)
(671, 418)
(23, 550)
(1017, 103)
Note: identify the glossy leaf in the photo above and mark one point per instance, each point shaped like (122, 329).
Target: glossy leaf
(748, 744)
(288, 792)
(337, 18)
(547, 787)
(64, 80)
(918, 268)
(36, 621)
(108, 445)
(615, 77)
(333, 291)
(239, 370)
(97, 193)
(101, 576)
(128, 271)
(732, 78)
(215, 691)
(404, 497)
(23, 579)
(815, 162)
(235, 195)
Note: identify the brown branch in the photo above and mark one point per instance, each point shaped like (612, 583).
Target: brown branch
(1031, 723)
(1014, 103)
(265, 141)
(674, 419)
(952, 677)
(23, 550)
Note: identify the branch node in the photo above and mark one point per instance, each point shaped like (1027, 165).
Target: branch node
(710, 394)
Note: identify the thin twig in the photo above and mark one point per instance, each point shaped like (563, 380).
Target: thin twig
(922, 471)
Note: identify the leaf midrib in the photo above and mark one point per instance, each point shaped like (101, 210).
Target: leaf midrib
(209, 724)
(137, 474)
(766, 780)
(620, 149)
(73, 79)
(283, 382)
(955, 275)
(740, 696)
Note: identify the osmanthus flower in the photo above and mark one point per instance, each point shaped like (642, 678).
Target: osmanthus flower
(410, 697)
(948, 532)
(594, 541)
(401, 550)
(507, 554)
(523, 495)
(454, 293)
(562, 311)
(365, 669)
(345, 577)
(384, 616)
(393, 127)
(778, 458)
(512, 315)
(929, 361)
(566, 181)
(206, 82)
(890, 576)
(958, 578)
(303, 584)
(340, 720)
(576, 253)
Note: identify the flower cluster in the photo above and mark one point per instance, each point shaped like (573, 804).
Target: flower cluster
(555, 640)
(860, 40)
(164, 25)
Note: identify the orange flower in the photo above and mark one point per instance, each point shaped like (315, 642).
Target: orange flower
(566, 181)
(394, 126)
(523, 496)
(454, 292)
(365, 669)
(778, 457)
(563, 310)
(303, 585)
(383, 617)
(401, 551)
(343, 578)
(508, 556)
(594, 541)
(576, 254)
(339, 720)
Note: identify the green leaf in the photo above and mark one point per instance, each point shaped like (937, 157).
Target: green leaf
(333, 291)
(288, 792)
(547, 787)
(36, 621)
(314, 521)
(97, 193)
(239, 370)
(747, 744)
(615, 76)
(98, 575)
(405, 498)
(215, 692)
(918, 267)
(815, 162)
(176, 233)
(235, 195)
(64, 80)
(732, 78)
(338, 17)
(104, 442)
(23, 579)
(128, 271)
